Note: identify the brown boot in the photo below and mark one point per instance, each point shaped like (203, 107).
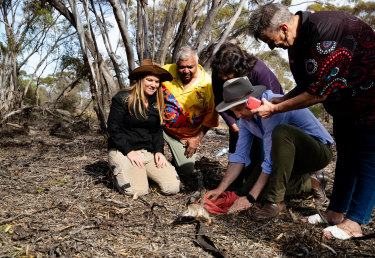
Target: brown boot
(318, 184)
(269, 210)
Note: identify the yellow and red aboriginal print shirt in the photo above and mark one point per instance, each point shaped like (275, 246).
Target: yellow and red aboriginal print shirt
(187, 110)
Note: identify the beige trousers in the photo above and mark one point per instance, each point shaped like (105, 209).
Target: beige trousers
(130, 180)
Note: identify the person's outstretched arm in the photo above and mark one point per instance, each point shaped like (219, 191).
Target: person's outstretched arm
(303, 100)
(233, 170)
(243, 203)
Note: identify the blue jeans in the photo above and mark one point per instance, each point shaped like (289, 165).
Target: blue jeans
(354, 186)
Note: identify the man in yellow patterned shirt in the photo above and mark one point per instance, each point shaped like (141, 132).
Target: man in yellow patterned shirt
(189, 109)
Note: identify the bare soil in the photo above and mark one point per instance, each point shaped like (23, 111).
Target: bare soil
(57, 199)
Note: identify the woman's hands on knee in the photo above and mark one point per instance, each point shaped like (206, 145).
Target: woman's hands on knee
(160, 160)
(135, 159)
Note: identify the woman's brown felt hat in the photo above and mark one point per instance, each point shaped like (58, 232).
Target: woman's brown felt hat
(150, 68)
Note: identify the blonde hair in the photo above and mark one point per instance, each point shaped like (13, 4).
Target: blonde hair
(137, 93)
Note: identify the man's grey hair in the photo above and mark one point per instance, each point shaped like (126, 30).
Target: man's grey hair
(267, 19)
(185, 52)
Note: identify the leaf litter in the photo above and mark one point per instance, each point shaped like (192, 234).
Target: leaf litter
(57, 199)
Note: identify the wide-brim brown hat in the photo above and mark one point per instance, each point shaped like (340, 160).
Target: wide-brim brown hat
(150, 68)
(237, 91)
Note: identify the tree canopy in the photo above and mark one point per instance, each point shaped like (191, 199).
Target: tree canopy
(90, 46)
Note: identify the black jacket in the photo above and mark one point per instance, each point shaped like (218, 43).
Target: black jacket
(127, 132)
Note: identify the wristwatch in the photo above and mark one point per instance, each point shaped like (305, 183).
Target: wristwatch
(250, 198)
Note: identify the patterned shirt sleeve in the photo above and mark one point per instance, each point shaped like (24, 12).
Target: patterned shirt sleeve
(327, 68)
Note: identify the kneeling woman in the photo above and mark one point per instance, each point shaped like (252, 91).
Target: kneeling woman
(136, 140)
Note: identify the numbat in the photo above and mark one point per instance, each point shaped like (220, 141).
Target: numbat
(197, 210)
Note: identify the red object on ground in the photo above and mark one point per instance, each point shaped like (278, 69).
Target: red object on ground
(221, 204)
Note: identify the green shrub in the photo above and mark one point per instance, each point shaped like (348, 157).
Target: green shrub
(317, 110)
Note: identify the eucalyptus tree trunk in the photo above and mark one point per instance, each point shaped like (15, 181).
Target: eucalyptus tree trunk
(229, 28)
(8, 82)
(90, 44)
(198, 12)
(18, 36)
(206, 61)
(170, 20)
(153, 33)
(142, 29)
(184, 32)
(107, 42)
(122, 23)
(9, 69)
(139, 39)
(208, 22)
(95, 90)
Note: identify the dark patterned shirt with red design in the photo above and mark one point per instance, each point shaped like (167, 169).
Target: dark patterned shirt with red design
(334, 55)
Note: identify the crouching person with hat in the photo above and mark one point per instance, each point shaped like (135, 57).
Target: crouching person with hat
(136, 140)
(296, 145)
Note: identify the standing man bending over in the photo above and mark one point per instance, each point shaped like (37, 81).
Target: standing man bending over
(295, 146)
(189, 109)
